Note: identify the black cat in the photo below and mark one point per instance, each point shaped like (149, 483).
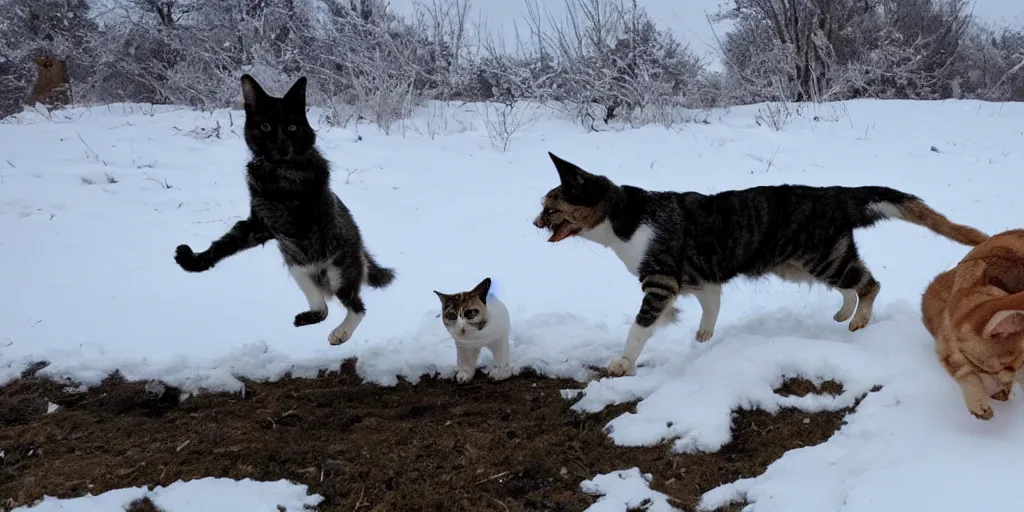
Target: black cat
(291, 201)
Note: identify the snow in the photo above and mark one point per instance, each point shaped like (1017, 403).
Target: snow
(91, 284)
(621, 490)
(221, 494)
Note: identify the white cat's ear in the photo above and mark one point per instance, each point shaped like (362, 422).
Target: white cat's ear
(1004, 323)
(482, 289)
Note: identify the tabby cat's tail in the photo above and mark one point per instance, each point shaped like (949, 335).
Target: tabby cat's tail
(887, 203)
(376, 275)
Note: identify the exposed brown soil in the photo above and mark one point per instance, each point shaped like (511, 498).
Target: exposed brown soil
(435, 446)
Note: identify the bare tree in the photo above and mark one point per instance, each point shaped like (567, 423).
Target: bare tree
(604, 62)
(445, 25)
(834, 49)
(45, 43)
(807, 36)
(611, 61)
(991, 66)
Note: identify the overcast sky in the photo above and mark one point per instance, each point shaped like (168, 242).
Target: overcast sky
(685, 17)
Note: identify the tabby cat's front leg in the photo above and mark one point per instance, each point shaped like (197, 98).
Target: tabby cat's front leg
(243, 235)
(660, 291)
(975, 395)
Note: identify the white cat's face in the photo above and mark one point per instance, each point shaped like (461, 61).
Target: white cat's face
(466, 321)
(465, 313)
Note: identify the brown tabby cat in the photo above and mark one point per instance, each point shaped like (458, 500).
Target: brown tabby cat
(975, 312)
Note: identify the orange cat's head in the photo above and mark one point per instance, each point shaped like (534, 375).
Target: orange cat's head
(992, 336)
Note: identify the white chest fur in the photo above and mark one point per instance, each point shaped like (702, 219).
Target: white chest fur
(631, 251)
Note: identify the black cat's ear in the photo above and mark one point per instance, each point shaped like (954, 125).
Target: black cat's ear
(252, 93)
(296, 96)
(481, 289)
(571, 176)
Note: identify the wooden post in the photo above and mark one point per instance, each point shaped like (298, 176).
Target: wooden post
(53, 82)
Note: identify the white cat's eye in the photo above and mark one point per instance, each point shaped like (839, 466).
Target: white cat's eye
(292, 127)
(265, 127)
(470, 314)
(450, 315)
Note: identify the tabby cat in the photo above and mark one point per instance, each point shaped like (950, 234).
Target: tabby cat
(687, 243)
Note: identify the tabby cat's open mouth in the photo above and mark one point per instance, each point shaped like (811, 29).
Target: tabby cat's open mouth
(561, 231)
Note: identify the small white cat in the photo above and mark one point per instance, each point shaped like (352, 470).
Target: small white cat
(477, 320)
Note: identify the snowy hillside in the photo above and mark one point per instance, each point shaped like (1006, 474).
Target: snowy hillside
(94, 201)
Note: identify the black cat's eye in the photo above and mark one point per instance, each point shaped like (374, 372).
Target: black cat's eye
(450, 315)
(265, 127)
(470, 314)
(292, 127)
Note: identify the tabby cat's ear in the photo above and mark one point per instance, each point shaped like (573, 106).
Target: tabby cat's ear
(570, 174)
(252, 93)
(482, 289)
(444, 298)
(1004, 323)
(296, 96)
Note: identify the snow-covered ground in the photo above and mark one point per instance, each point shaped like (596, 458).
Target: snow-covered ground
(93, 202)
(220, 494)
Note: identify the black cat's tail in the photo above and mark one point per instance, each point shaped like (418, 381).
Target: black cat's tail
(376, 275)
(878, 203)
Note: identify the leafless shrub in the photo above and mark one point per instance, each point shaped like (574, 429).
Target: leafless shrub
(611, 54)
(445, 26)
(604, 63)
(502, 121)
(384, 100)
(351, 173)
(42, 31)
(435, 120)
(338, 113)
(164, 184)
(992, 67)
(818, 51)
(825, 112)
(777, 115)
(205, 132)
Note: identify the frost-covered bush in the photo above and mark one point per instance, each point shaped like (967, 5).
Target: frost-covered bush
(602, 62)
(840, 49)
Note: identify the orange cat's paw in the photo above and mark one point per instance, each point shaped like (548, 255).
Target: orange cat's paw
(1002, 395)
(982, 411)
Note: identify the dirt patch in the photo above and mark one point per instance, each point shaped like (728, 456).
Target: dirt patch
(486, 446)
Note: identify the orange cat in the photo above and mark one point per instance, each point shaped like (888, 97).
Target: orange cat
(975, 312)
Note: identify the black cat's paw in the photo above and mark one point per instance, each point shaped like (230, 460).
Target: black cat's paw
(310, 318)
(189, 260)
